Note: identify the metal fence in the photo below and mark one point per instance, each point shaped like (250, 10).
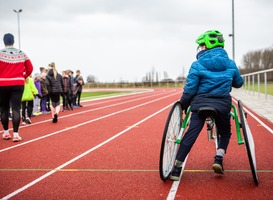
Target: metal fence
(257, 82)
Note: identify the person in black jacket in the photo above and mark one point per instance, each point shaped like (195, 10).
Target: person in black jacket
(54, 83)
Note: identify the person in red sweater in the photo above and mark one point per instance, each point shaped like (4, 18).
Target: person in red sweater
(15, 67)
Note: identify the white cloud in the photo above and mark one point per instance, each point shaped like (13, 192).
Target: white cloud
(124, 39)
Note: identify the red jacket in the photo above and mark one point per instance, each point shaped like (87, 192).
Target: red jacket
(15, 67)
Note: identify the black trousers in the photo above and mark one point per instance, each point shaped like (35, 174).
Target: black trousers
(11, 95)
(222, 122)
(66, 99)
(29, 106)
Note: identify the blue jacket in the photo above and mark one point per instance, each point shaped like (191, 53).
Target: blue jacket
(210, 80)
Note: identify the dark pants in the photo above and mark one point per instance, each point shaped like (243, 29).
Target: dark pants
(222, 122)
(11, 94)
(29, 106)
(43, 103)
(66, 99)
(77, 99)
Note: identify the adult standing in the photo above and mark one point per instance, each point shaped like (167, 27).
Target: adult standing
(54, 83)
(15, 67)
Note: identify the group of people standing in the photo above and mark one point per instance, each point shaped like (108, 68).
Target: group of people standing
(21, 92)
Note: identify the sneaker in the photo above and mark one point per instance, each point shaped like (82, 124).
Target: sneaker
(28, 121)
(23, 122)
(218, 165)
(55, 119)
(37, 113)
(6, 136)
(17, 139)
(176, 173)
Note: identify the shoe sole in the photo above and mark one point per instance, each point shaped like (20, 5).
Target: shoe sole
(174, 178)
(17, 140)
(7, 138)
(218, 169)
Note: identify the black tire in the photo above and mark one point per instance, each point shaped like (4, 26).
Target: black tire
(169, 147)
(249, 143)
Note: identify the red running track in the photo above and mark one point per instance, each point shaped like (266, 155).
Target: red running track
(109, 149)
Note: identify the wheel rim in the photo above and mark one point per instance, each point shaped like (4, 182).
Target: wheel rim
(170, 146)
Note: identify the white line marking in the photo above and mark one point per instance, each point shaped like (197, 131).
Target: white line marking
(84, 123)
(81, 155)
(175, 185)
(78, 113)
(256, 118)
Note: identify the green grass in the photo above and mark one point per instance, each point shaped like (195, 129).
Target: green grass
(93, 95)
(269, 88)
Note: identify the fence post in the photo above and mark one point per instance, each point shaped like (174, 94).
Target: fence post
(247, 82)
(265, 85)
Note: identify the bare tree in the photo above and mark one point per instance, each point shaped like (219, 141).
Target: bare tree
(91, 79)
(258, 60)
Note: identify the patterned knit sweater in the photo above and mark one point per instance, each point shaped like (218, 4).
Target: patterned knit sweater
(15, 67)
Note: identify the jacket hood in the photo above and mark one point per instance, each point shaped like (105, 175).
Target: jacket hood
(215, 59)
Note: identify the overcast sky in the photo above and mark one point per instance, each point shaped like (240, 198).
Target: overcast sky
(125, 39)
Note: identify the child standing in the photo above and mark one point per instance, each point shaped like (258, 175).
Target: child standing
(67, 104)
(44, 94)
(37, 98)
(27, 100)
(54, 83)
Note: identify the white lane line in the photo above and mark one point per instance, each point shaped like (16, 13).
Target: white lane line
(84, 123)
(256, 118)
(81, 155)
(175, 185)
(94, 109)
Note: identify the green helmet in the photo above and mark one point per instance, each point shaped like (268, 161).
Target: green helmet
(211, 39)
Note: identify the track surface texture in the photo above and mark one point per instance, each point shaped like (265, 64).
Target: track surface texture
(109, 149)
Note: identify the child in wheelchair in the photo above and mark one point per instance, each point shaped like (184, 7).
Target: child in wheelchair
(208, 84)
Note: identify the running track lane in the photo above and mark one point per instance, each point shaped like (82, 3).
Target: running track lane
(127, 167)
(100, 130)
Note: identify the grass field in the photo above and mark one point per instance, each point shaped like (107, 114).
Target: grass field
(100, 94)
(269, 88)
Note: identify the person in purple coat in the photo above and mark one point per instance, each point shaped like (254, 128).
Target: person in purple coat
(37, 98)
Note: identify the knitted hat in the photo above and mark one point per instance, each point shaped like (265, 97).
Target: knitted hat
(8, 39)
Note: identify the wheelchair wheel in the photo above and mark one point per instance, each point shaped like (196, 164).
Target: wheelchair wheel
(169, 146)
(249, 143)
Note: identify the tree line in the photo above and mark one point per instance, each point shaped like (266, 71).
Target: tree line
(258, 60)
